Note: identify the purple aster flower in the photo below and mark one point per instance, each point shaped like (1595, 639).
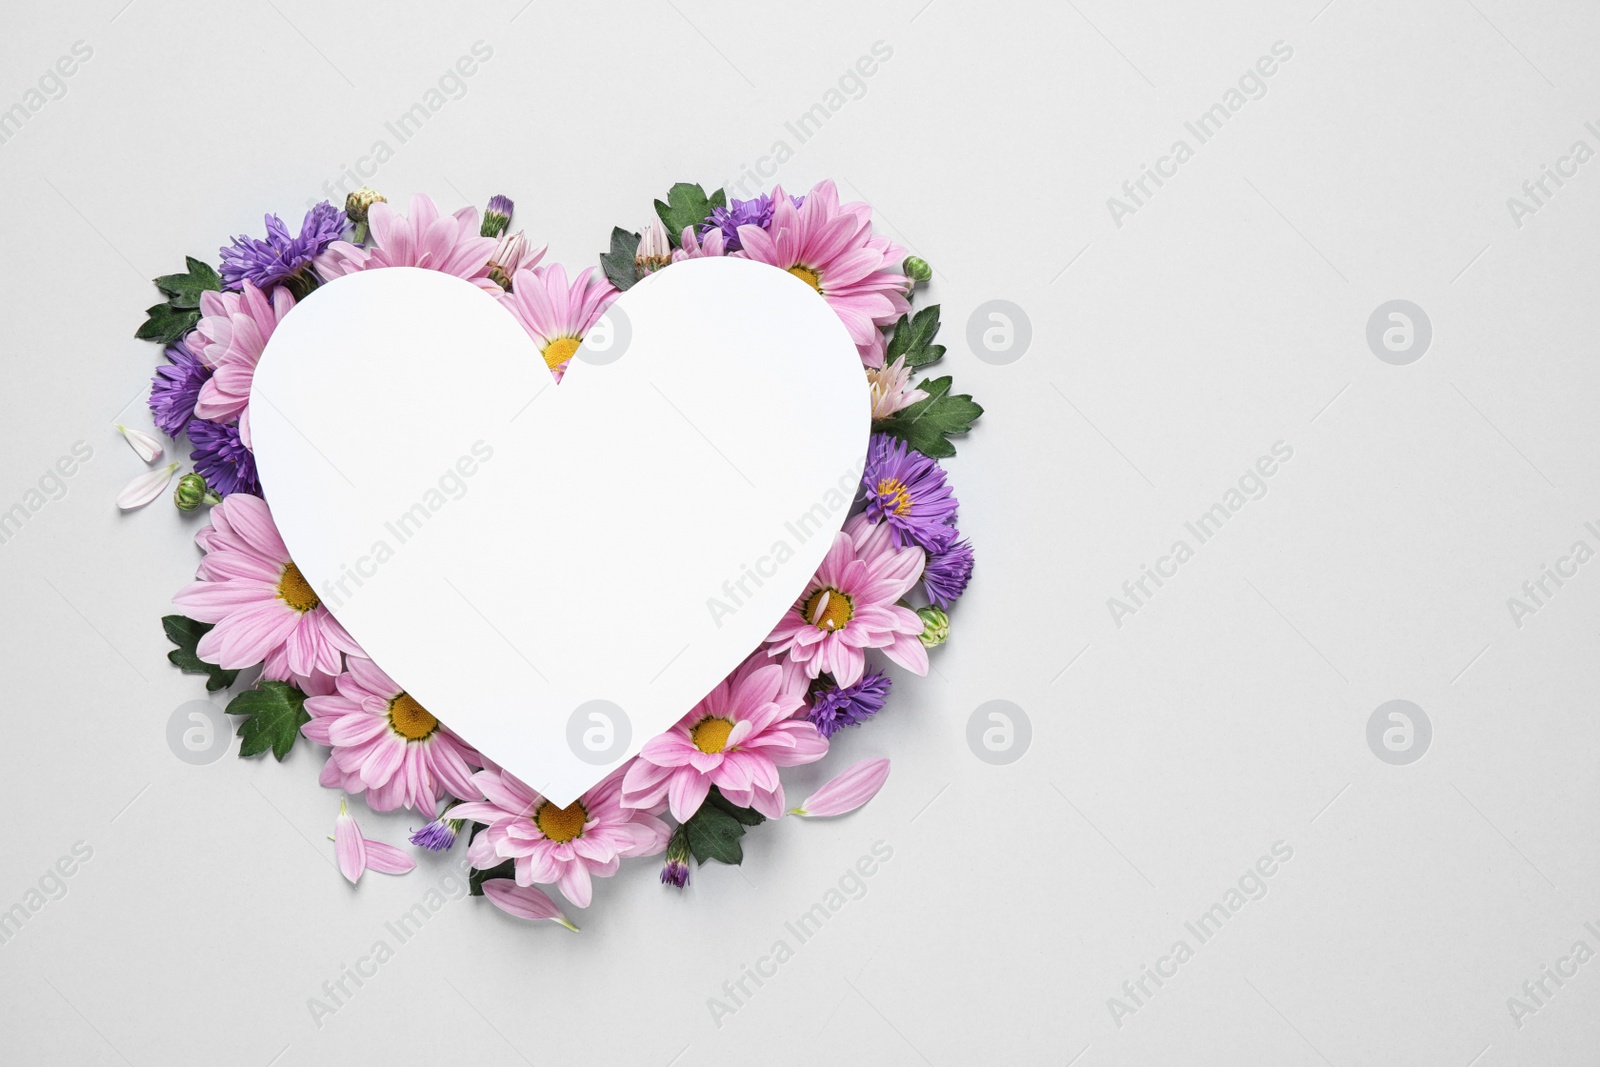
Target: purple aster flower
(833, 708)
(175, 388)
(947, 573)
(219, 455)
(281, 257)
(757, 212)
(438, 835)
(907, 490)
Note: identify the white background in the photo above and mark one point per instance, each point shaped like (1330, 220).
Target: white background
(1167, 754)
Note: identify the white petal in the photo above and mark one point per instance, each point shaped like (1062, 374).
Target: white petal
(145, 488)
(148, 447)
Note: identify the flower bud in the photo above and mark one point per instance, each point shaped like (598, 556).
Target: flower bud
(506, 258)
(496, 217)
(655, 250)
(675, 871)
(916, 268)
(357, 203)
(192, 491)
(935, 626)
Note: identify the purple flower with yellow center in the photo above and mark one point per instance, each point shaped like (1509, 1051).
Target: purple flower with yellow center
(282, 259)
(757, 212)
(221, 458)
(947, 573)
(834, 707)
(176, 387)
(908, 491)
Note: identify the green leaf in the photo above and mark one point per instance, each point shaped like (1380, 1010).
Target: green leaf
(618, 263)
(747, 816)
(274, 712)
(186, 634)
(714, 835)
(475, 880)
(183, 290)
(687, 205)
(913, 338)
(928, 424)
(165, 323)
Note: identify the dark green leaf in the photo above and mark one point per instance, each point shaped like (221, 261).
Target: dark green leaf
(186, 634)
(165, 323)
(913, 338)
(714, 835)
(618, 263)
(183, 290)
(747, 816)
(475, 880)
(274, 713)
(928, 424)
(687, 205)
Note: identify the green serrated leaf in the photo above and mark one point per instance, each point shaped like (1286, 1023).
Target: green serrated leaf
(186, 634)
(183, 290)
(714, 835)
(913, 338)
(164, 323)
(687, 205)
(274, 713)
(746, 816)
(618, 263)
(928, 424)
(475, 880)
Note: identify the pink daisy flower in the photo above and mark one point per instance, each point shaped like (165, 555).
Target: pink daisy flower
(234, 330)
(263, 608)
(850, 606)
(734, 739)
(891, 388)
(693, 248)
(447, 243)
(566, 846)
(557, 313)
(832, 249)
(387, 744)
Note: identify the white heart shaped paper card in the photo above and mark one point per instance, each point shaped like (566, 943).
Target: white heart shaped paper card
(559, 573)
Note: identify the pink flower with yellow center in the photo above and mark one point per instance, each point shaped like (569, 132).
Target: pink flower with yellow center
(425, 238)
(557, 313)
(386, 744)
(734, 739)
(850, 605)
(263, 608)
(564, 846)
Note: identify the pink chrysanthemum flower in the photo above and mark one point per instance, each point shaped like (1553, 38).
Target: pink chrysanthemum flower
(850, 606)
(891, 388)
(832, 249)
(387, 744)
(233, 330)
(734, 739)
(557, 313)
(566, 847)
(692, 247)
(425, 238)
(263, 608)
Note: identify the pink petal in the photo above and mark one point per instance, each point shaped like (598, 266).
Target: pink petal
(348, 845)
(525, 902)
(386, 859)
(847, 790)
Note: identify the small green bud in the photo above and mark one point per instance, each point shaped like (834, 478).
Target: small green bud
(191, 492)
(357, 203)
(917, 269)
(935, 626)
(496, 217)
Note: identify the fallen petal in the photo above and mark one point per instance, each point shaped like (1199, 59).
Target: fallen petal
(847, 790)
(386, 859)
(148, 447)
(348, 845)
(145, 488)
(523, 901)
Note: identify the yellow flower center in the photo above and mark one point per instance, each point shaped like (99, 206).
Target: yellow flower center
(710, 735)
(561, 824)
(810, 277)
(827, 609)
(894, 496)
(409, 719)
(559, 351)
(295, 591)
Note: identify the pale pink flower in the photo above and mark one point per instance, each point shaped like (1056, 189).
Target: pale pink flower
(692, 247)
(357, 855)
(388, 745)
(831, 247)
(264, 609)
(891, 389)
(734, 739)
(523, 901)
(847, 790)
(234, 330)
(425, 238)
(566, 847)
(850, 605)
(557, 313)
